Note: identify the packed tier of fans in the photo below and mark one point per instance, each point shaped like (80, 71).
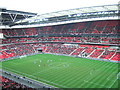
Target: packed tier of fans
(102, 40)
(8, 84)
(92, 27)
(88, 51)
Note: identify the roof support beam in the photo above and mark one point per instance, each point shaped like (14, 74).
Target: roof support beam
(13, 17)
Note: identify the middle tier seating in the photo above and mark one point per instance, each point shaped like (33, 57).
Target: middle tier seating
(102, 40)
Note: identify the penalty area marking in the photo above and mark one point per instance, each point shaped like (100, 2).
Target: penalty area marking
(115, 80)
(113, 83)
(94, 83)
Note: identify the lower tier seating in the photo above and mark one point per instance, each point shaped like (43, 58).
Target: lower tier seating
(88, 51)
(8, 84)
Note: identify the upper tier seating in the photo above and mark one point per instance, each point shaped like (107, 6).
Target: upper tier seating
(94, 27)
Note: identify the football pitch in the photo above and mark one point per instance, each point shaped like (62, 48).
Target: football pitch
(65, 71)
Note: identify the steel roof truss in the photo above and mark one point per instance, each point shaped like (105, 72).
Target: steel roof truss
(13, 16)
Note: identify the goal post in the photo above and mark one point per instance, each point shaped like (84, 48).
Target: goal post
(118, 75)
(22, 56)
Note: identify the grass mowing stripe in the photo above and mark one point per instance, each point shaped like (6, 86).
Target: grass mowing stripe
(17, 72)
(61, 78)
(98, 78)
(101, 79)
(54, 73)
(79, 78)
(61, 75)
(78, 75)
(71, 79)
(45, 81)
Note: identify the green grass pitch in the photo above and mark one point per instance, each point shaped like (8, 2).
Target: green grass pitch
(65, 71)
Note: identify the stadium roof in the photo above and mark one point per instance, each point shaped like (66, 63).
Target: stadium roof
(104, 12)
(79, 10)
(11, 16)
(71, 12)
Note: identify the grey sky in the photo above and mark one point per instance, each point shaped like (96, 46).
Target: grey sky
(46, 6)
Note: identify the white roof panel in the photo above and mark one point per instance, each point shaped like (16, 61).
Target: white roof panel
(77, 11)
(63, 13)
(86, 10)
(112, 7)
(100, 8)
(83, 10)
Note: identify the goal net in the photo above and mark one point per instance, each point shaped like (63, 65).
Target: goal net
(23, 56)
(118, 75)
